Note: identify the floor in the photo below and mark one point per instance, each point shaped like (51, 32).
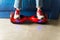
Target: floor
(9, 31)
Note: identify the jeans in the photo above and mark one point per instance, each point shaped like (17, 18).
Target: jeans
(18, 3)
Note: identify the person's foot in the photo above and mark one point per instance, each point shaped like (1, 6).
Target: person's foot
(17, 14)
(40, 14)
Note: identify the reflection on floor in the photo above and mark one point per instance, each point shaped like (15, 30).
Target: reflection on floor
(9, 31)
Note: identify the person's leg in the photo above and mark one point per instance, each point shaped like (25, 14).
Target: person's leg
(17, 6)
(39, 4)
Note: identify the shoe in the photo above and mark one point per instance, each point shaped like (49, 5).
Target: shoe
(17, 14)
(39, 14)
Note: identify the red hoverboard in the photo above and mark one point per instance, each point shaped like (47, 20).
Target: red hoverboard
(33, 19)
(36, 20)
(18, 20)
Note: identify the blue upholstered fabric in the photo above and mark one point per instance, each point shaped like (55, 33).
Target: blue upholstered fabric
(51, 7)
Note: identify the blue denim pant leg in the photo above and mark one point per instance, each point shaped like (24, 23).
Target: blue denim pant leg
(39, 3)
(18, 4)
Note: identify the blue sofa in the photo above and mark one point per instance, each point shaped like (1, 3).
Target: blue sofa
(51, 7)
